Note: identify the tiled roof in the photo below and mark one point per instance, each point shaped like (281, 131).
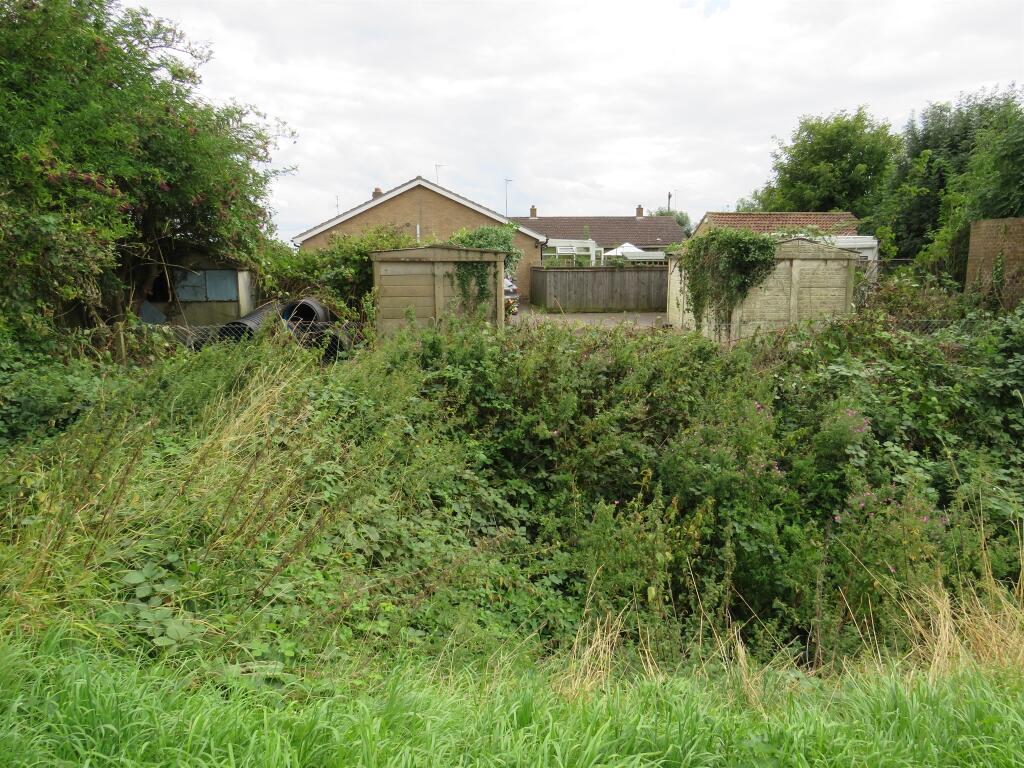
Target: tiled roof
(419, 181)
(833, 223)
(608, 231)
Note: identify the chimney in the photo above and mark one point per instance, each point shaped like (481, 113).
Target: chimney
(377, 192)
(533, 211)
(639, 211)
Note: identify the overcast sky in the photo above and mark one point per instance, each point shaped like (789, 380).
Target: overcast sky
(590, 107)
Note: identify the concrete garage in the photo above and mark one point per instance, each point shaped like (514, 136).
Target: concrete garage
(811, 280)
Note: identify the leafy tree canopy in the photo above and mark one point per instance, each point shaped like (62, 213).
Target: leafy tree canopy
(991, 187)
(937, 147)
(111, 166)
(832, 163)
(682, 218)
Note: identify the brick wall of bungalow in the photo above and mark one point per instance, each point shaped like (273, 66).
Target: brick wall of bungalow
(438, 218)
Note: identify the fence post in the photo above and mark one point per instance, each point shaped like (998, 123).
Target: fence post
(499, 293)
(794, 291)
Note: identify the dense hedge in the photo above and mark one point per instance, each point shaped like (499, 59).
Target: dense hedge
(466, 488)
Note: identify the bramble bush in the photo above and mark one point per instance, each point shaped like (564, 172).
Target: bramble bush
(458, 489)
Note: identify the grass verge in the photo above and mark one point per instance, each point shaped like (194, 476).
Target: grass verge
(65, 704)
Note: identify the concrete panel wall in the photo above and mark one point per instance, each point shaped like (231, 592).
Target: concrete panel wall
(810, 281)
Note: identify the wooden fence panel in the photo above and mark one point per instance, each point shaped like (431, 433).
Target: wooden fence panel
(599, 289)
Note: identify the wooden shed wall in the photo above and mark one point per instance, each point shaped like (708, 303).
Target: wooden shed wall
(422, 283)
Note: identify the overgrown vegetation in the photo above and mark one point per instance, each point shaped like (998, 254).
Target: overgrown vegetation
(537, 546)
(479, 485)
(918, 190)
(587, 505)
(493, 238)
(721, 266)
(112, 168)
(341, 272)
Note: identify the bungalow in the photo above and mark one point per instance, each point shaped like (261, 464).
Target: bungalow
(593, 236)
(428, 212)
(838, 228)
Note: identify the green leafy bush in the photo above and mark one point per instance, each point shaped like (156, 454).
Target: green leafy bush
(457, 488)
(494, 238)
(340, 272)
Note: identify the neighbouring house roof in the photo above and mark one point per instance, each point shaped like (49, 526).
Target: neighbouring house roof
(608, 231)
(419, 181)
(832, 223)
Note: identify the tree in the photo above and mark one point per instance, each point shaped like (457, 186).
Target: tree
(682, 218)
(937, 148)
(991, 187)
(832, 163)
(112, 167)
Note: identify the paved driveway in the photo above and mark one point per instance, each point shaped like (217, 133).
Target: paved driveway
(528, 314)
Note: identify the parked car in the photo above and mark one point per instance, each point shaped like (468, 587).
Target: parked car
(511, 297)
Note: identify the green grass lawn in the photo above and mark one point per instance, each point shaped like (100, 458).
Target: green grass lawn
(66, 705)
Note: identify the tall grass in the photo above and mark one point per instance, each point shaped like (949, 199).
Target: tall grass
(63, 704)
(245, 558)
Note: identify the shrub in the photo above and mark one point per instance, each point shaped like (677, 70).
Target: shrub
(340, 272)
(468, 485)
(494, 238)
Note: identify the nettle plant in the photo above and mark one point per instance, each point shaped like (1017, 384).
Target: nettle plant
(721, 267)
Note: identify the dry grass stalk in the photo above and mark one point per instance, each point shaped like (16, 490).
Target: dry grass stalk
(978, 629)
(592, 659)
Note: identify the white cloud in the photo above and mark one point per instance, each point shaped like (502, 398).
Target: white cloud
(592, 107)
